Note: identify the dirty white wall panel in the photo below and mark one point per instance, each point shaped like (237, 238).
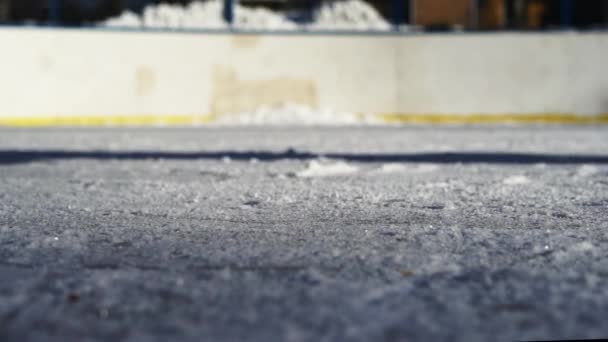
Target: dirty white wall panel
(94, 72)
(505, 73)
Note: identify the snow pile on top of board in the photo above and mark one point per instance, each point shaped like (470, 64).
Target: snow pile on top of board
(200, 15)
(195, 15)
(292, 114)
(348, 15)
(125, 19)
(340, 15)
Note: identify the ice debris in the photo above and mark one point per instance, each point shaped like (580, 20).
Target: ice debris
(317, 168)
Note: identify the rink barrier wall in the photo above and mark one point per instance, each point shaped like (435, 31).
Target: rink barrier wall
(103, 77)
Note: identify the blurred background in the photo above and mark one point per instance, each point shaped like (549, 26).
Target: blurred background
(303, 61)
(430, 15)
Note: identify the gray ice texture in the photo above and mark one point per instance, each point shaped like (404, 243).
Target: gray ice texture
(304, 234)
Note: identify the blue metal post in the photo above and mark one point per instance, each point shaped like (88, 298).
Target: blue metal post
(55, 12)
(566, 13)
(228, 11)
(398, 13)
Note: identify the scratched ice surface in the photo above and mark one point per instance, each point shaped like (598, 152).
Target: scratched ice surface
(297, 234)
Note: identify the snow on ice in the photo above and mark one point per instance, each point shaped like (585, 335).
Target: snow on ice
(516, 180)
(293, 114)
(318, 168)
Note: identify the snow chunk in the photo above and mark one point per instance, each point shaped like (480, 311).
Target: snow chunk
(317, 168)
(584, 246)
(516, 180)
(392, 168)
(576, 251)
(587, 170)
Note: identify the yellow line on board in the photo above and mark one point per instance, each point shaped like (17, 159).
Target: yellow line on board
(394, 118)
(541, 118)
(110, 120)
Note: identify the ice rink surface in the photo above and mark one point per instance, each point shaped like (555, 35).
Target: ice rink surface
(304, 234)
